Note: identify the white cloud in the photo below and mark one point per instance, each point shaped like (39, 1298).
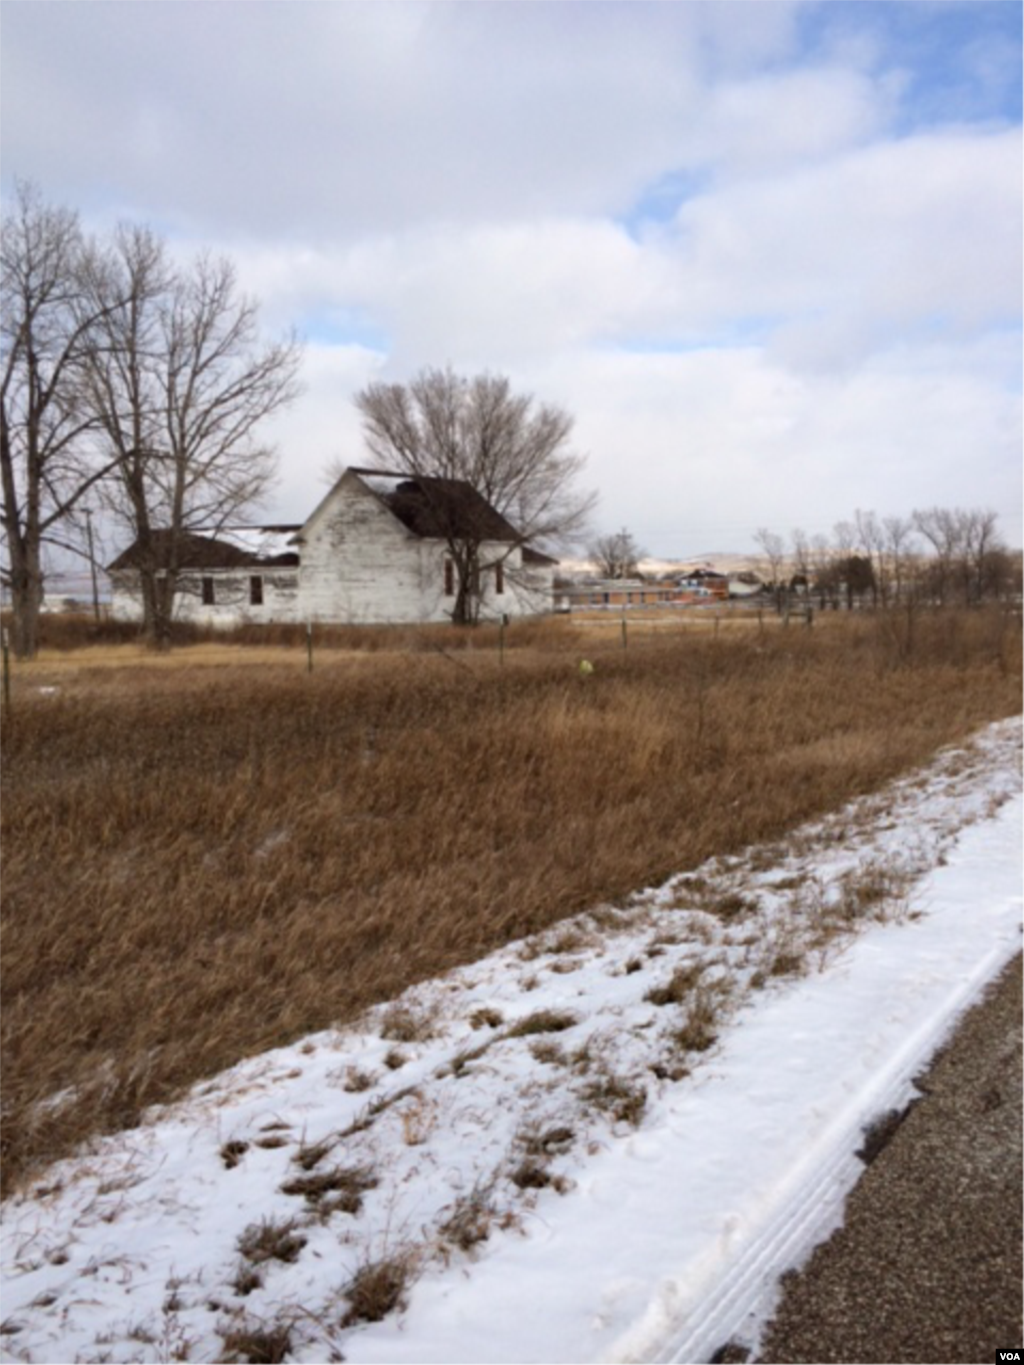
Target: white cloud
(764, 298)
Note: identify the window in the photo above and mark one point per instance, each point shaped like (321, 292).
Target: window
(255, 591)
(208, 599)
(449, 578)
(499, 578)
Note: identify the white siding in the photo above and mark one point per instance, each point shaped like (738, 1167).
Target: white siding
(359, 564)
(232, 593)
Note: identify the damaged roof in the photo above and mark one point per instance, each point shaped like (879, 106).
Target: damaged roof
(438, 509)
(243, 547)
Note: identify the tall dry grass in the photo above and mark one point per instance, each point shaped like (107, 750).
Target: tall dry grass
(201, 864)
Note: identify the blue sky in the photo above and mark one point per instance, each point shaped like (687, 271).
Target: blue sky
(768, 254)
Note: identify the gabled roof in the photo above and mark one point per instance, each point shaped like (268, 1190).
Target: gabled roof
(438, 509)
(232, 548)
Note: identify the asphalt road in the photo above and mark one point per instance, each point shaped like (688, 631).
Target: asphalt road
(928, 1263)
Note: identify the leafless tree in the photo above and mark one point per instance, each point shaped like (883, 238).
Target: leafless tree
(899, 545)
(823, 577)
(981, 545)
(48, 325)
(445, 431)
(871, 542)
(941, 529)
(616, 555)
(179, 386)
(803, 560)
(773, 548)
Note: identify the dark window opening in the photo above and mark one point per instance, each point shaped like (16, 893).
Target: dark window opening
(208, 600)
(449, 578)
(255, 591)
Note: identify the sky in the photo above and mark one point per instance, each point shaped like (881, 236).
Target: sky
(768, 255)
(640, 1200)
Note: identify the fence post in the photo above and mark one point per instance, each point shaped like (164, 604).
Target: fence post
(309, 646)
(6, 671)
(623, 628)
(501, 638)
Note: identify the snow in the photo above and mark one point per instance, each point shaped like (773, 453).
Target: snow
(682, 1183)
(262, 541)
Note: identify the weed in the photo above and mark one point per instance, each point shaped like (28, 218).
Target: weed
(624, 1100)
(357, 1081)
(232, 1152)
(460, 1062)
(486, 1017)
(247, 1278)
(311, 1154)
(868, 890)
(681, 983)
(345, 1186)
(418, 1120)
(569, 940)
(531, 1174)
(378, 1288)
(469, 1222)
(542, 1021)
(698, 1032)
(402, 1025)
(786, 964)
(731, 905)
(271, 1240)
(395, 1059)
(565, 965)
(548, 1142)
(546, 1051)
(258, 1345)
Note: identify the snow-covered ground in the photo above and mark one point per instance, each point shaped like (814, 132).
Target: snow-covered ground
(604, 1143)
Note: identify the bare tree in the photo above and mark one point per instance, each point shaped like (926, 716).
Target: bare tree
(824, 577)
(47, 326)
(899, 545)
(774, 549)
(981, 544)
(871, 541)
(616, 555)
(941, 529)
(803, 561)
(179, 387)
(447, 432)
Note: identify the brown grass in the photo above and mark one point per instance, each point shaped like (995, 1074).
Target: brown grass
(201, 863)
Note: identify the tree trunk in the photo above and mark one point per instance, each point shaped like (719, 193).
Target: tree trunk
(157, 607)
(26, 600)
(26, 591)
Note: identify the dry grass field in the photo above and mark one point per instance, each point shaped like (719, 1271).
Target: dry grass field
(204, 857)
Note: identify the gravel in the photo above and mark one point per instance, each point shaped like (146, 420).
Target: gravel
(928, 1263)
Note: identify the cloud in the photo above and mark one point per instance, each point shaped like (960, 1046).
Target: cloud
(769, 257)
(697, 450)
(332, 121)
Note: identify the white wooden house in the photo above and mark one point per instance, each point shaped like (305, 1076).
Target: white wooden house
(376, 549)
